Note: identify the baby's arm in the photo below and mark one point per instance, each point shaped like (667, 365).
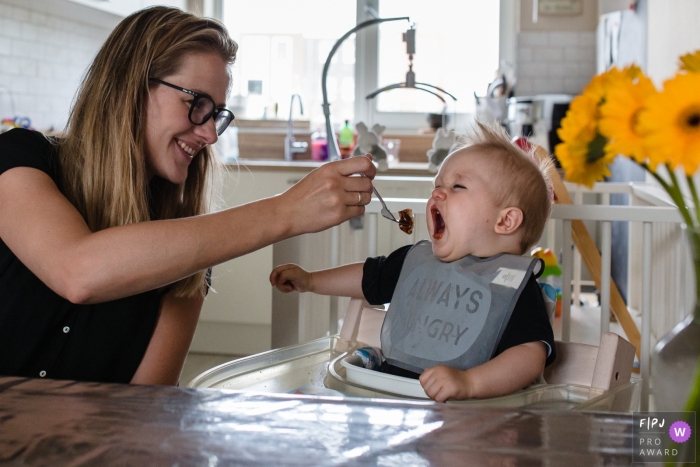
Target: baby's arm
(343, 281)
(513, 369)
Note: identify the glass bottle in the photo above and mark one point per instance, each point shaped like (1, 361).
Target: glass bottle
(319, 145)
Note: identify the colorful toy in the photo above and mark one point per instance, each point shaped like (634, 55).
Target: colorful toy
(551, 275)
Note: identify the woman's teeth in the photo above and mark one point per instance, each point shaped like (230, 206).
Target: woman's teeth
(186, 148)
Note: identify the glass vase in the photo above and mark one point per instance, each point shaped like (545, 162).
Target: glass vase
(674, 363)
(674, 366)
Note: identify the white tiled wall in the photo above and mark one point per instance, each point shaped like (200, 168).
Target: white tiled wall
(42, 60)
(555, 62)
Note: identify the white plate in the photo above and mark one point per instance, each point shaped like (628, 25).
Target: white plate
(356, 373)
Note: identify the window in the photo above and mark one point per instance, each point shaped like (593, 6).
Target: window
(283, 46)
(456, 50)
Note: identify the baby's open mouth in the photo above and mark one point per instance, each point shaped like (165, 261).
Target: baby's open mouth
(438, 223)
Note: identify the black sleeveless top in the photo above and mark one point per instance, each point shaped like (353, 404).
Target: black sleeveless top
(43, 334)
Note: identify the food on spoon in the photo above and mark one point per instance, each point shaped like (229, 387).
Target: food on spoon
(406, 219)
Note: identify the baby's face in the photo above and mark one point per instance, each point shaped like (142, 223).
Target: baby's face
(461, 212)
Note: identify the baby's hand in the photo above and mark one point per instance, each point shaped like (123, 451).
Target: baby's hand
(289, 277)
(442, 382)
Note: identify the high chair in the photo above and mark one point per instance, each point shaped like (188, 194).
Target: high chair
(604, 368)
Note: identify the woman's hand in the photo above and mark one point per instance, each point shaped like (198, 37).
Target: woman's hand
(290, 277)
(328, 195)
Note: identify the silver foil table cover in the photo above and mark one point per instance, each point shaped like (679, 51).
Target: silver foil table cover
(52, 423)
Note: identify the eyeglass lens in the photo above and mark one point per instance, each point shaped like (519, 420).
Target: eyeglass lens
(203, 108)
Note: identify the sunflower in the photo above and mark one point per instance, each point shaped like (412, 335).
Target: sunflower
(671, 122)
(619, 116)
(581, 151)
(599, 84)
(691, 62)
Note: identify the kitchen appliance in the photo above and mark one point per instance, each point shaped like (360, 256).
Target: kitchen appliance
(538, 118)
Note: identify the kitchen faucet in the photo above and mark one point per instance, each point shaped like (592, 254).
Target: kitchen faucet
(291, 146)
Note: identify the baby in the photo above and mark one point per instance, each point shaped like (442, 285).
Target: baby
(467, 316)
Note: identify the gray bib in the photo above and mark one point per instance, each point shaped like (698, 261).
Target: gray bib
(454, 313)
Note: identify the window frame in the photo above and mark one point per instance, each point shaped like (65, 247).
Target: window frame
(367, 68)
(367, 61)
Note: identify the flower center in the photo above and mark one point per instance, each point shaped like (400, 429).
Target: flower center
(595, 148)
(690, 119)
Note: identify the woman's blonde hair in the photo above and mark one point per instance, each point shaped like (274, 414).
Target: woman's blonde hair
(524, 178)
(103, 152)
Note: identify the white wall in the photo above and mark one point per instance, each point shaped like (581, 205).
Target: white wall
(673, 31)
(42, 60)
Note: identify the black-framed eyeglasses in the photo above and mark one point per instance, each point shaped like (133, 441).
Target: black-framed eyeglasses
(203, 108)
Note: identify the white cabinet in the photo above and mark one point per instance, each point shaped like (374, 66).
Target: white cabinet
(236, 317)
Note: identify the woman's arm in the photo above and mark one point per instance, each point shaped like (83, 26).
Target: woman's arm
(508, 372)
(162, 363)
(50, 237)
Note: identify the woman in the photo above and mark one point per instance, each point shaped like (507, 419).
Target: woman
(105, 234)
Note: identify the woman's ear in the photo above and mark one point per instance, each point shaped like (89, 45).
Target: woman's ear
(509, 219)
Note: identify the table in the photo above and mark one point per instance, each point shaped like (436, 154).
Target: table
(50, 422)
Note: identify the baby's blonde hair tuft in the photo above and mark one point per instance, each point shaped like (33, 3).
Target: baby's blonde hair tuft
(525, 178)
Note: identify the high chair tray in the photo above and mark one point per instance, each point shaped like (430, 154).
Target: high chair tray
(356, 373)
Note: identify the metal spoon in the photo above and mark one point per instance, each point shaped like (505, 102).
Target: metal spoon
(385, 211)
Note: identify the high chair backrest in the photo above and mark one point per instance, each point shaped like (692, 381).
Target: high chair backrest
(604, 367)
(362, 323)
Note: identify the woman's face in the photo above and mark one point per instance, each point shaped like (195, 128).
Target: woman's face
(172, 141)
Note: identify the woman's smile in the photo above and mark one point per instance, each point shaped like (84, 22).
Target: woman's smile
(185, 147)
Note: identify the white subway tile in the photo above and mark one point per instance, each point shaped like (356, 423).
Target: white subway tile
(556, 70)
(532, 38)
(530, 70)
(10, 65)
(548, 86)
(27, 67)
(524, 54)
(574, 53)
(574, 85)
(586, 69)
(571, 69)
(29, 32)
(9, 28)
(36, 51)
(42, 60)
(5, 46)
(562, 38)
(38, 17)
(20, 14)
(587, 38)
(44, 70)
(524, 87)
(547, 54)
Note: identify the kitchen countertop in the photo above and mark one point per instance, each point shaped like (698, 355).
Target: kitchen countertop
(48, 422)
(398, 168)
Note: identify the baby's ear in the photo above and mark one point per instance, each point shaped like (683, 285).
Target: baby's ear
(509, 219)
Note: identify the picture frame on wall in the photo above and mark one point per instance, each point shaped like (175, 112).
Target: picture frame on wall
(560, 7)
